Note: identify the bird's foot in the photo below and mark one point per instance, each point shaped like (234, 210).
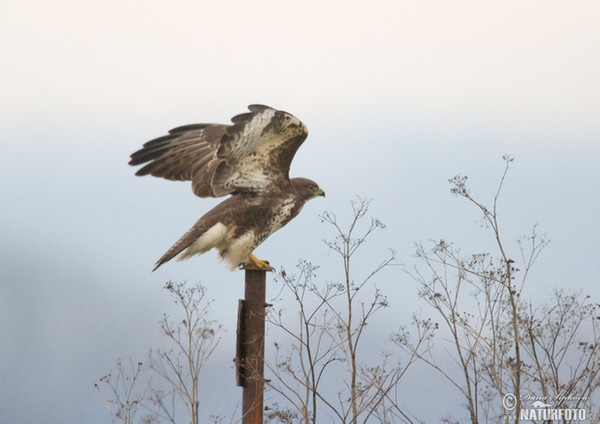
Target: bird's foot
(255, 264)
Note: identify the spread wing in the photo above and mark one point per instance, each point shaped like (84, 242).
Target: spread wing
(183, 154)
(252, 155)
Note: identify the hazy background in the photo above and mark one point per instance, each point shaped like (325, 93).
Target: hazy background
(398, 96)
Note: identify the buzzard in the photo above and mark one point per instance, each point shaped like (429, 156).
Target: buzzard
(250, 161)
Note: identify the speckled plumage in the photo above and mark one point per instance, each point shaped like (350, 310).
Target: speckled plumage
(249, 160)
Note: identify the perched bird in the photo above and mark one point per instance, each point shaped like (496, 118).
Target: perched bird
(249, 160)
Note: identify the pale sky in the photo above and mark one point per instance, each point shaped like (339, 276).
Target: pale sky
(398, 97)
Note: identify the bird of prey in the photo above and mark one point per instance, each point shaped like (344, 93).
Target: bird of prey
(250, 161)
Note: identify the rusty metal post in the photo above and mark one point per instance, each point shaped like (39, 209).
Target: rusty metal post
(251, 346)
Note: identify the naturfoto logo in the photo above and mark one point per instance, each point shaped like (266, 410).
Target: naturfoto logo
(542, 407)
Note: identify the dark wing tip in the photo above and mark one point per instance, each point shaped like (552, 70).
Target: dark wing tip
(152, 149)
(241, 119)
(189, 127)
(259, 108)
(141, 172)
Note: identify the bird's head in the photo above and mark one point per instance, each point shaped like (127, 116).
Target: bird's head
(307, 189)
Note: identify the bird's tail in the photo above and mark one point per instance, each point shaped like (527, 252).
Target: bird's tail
(196, 241)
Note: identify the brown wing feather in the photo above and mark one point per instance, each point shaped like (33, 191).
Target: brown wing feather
(179, 155)
(254, 154)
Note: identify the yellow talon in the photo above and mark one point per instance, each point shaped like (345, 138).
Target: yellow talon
(256, 264)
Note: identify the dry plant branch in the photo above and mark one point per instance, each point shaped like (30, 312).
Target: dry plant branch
(328, 339)
(506, 345)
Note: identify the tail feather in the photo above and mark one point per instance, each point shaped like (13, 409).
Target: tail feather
(196, 241)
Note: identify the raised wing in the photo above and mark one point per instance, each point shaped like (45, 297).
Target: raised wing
(252, 155)
(183, 155)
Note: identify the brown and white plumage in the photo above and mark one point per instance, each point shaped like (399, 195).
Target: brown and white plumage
(249, 160)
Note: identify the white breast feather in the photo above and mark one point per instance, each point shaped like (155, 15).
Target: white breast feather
(240, 249)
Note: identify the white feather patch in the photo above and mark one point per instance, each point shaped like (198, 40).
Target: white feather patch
(240, 249)
(213, 237)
